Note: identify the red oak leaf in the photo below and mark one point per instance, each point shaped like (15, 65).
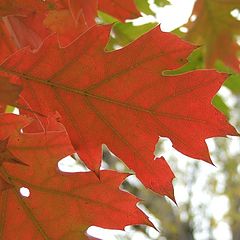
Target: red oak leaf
(30, 22)
(121, 99)
(60, 205)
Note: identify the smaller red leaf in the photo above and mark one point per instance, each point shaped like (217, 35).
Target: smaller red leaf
(30, 22)
(60, 205)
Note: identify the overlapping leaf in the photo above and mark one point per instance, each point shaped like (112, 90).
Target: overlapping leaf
(30, 22)
(77, 16)
(217, 30)
(17, 19)
(60, 205)
(122, 99)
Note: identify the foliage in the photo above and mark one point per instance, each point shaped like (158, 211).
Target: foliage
(75, 92)
(212, 25)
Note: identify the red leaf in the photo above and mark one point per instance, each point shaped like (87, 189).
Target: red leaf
(77, 15)
(85, 9)
(20, 25)
(216, 30)
(26, 31)
(30, 22)
(120, 9)
(121, 99)
(60, 205)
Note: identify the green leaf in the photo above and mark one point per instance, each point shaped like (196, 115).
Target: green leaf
(162, 3)
(233, 83)
(125, 33)
(218, 102)
(195, 61)
(104, 18)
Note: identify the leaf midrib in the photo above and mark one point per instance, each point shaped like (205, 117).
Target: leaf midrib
(85, 93)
